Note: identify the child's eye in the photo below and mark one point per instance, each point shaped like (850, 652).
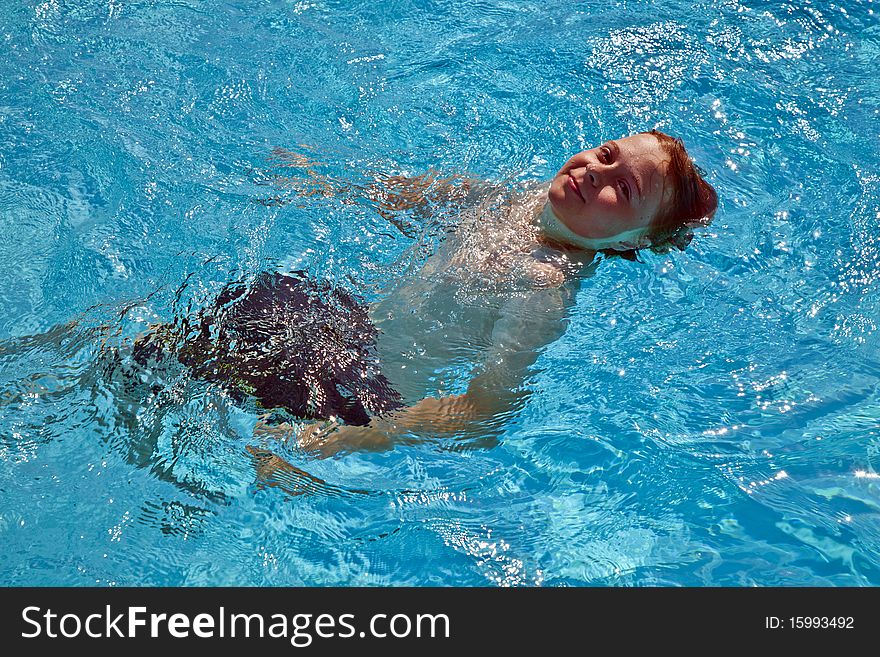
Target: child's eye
(624, 188)
(605, 154)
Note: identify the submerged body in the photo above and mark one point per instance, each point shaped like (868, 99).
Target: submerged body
(458, 341)
(447, 352)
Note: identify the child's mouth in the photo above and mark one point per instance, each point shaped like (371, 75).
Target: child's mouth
(574, 186)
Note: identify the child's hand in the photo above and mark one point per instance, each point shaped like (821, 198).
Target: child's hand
(306, 181)
(323, 440)
(313, 435)
(282, 157)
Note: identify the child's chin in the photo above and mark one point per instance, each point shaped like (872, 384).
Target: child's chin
(556, 195)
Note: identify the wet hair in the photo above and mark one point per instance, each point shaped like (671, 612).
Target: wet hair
(689, 201)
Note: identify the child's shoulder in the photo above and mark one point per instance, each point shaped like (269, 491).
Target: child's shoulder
(544, 274)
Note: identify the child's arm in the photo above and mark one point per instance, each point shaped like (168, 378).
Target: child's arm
(526, 325)
(388, 193)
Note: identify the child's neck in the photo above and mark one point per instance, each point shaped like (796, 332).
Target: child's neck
(557, 234)
(554, 233)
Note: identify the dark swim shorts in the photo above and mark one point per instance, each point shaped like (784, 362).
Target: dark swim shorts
(288, 341)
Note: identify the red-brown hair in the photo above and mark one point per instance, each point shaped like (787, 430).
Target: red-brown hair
(689, 200)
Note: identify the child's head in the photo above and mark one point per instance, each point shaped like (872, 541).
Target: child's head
(632, 193)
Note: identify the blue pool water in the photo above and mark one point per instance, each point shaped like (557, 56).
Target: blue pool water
(709, 417)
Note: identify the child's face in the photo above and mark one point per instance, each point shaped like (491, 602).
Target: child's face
(611, 189)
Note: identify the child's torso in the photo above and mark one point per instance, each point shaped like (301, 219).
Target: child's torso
(433, 329)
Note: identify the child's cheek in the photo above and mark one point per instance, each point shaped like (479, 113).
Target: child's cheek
(607, 198)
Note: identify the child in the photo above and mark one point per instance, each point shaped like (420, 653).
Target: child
(495, 292)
